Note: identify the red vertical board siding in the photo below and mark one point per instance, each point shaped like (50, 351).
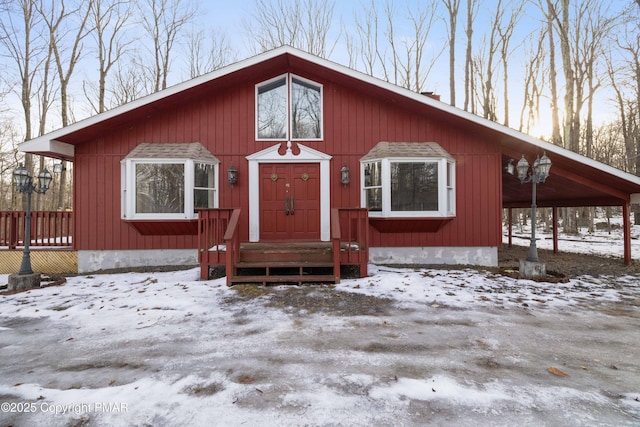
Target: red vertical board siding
(223, 122)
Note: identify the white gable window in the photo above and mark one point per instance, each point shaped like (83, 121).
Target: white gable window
(289, 108)
(168, 181)
(408, 180)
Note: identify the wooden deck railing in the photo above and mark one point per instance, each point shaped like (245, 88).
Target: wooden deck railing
(350, 237)
(214, 245)
(47, 228)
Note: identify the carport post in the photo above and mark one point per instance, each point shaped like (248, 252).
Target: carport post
(626, 225)
(510, 210)
(554, 218)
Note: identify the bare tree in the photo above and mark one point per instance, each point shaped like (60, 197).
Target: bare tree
(8, 162)
(109, 20)
(399, 58)
(65, 26)
(131, 81)
(485, 64)
(367, 36)
(625, 80)
(163, 21)
(61, 23)
(506, 32)
(452, 7)
(411, 64)
(207, 54)
(556, 136)
(302, 24)
(469, 88)
(24, 45)
(533, 83)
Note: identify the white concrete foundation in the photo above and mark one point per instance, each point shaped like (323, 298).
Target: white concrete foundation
(485, 256)
(90, 261)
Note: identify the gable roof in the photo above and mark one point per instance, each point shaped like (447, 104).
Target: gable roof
(576, 180)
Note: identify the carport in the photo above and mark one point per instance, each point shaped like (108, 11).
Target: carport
(574, 181)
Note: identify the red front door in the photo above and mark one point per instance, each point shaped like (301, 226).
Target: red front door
(289, 201)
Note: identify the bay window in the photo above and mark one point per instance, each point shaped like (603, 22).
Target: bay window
(408, 180)
(168, 181)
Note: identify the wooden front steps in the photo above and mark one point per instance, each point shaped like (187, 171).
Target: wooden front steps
(220, 249)
(286, 262)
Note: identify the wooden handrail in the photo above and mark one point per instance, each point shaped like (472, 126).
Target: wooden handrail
(232, 242)
(350, 237)
(233, 225)
(335, 240)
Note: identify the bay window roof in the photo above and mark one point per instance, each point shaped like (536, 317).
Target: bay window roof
(190, 150)
(406, 149)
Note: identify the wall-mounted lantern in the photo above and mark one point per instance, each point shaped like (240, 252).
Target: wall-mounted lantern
(59, 167)
(232, 175)
(344, 174)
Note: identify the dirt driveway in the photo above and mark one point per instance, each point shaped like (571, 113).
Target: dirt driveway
(400, 348)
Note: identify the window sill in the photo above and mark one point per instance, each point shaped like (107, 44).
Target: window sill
(405, 225)
(165, 227)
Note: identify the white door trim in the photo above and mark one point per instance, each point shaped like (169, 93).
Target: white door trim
(271, 155)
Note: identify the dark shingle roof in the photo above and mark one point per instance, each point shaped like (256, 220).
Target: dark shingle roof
(406, 149)
(190, 150)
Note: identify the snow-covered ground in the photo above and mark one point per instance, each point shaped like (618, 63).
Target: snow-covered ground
(438, 347)
(600, 242)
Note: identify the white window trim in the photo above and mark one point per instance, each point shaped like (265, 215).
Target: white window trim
(128, 189)
(288, 83)
(444, 190)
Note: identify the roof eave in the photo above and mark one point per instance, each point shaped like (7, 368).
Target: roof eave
(48, 147)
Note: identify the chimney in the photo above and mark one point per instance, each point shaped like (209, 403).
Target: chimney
(431, 95)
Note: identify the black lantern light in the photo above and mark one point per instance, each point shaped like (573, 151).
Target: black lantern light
(344, 174)
(232, 175)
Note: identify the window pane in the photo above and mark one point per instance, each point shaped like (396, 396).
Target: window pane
(305, 110)
(372, 174)
(159, 188)
(203, 199)
(204, 176)
(374, 199)
(414, 186)
(272, 110)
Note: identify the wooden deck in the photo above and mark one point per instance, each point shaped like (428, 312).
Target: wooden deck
(281, 262)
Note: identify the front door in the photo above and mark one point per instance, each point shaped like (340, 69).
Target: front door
(289, 201)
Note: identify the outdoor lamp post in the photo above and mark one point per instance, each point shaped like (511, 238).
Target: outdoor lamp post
(535, 174)
(24, 184)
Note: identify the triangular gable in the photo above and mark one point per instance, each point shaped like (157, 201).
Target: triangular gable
(512, 141)
(272, 154)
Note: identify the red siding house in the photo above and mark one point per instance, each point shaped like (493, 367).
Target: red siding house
(284, 139)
